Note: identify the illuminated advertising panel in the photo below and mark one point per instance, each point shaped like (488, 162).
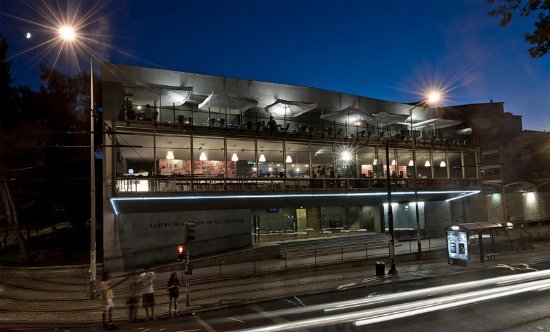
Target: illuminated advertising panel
(457, 243)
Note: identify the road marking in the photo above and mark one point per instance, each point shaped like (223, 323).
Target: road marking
(342, 287)
(268, 315)
(235, 319)
(518, 267)
(204, 324)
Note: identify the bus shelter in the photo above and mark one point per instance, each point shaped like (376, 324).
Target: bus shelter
(466, 239)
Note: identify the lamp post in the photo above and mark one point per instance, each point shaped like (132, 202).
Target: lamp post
(68, 34)
(433, 97)
(393, 269)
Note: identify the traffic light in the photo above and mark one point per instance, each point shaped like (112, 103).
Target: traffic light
(189, 232)
(181, 252)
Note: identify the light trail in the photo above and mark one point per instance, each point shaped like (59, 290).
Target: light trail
(413, 308)
(408, 295)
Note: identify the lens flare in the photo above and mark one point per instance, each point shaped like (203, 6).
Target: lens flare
(67, 33)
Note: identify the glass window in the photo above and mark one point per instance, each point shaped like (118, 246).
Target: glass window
(241, 158)
(321, 161)
(173, 154)
(455, 165)
(470, 168)
(270, 158)
(366, 158)
(297, 160)
(135, 154)
(424, 167)
(440, 165)
(208, 157)
(346, 161)
(404, 159)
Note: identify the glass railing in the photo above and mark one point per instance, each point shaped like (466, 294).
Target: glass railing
(303, 127)
(217, 184)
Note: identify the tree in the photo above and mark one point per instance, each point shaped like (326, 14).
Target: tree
(7, 93)
(540, 37)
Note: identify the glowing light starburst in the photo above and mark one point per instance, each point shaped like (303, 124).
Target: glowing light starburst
(75, 29)
(67, 33)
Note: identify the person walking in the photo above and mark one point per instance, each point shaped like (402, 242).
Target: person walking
(147, 280)
(107, 299)
(133, 299)
(173, 287)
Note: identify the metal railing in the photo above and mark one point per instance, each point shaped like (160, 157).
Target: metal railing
(313, 257)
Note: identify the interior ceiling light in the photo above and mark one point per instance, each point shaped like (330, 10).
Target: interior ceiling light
(288, 159)
(411, 162)
(170, 155)
(234, 157)
(393, 162)
(202, 157)
(262, 158)
(443, 164)
(427, 163)
(375, 162)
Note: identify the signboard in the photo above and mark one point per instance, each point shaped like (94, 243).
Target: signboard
(457, 245)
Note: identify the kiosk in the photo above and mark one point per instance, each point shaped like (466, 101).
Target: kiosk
(463, 238)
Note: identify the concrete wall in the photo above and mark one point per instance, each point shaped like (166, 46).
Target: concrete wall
(438, 216)
(139, 239)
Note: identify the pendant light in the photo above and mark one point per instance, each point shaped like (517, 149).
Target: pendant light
(234, 157)
(170, 155)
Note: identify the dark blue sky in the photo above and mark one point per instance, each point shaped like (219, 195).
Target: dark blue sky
(391, 50)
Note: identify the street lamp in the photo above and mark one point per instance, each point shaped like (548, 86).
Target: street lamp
(432, 98)
(68, 34)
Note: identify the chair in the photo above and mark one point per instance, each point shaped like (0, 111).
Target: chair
(285, 128)
(181, 119)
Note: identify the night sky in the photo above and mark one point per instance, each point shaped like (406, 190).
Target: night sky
(391, 50)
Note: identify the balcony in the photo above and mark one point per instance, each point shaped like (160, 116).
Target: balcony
(185, 184)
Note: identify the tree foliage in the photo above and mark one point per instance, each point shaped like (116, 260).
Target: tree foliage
(44, 146)
(539, 38)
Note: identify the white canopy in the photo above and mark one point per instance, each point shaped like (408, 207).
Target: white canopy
(432, 124)
(221, 102)
(385, 119)
(283, 108)
(349, 115)
(149, 93)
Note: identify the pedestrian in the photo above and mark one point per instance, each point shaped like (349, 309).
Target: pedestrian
(147, 280)
(133, 299)
(173, 287)
(107, 299)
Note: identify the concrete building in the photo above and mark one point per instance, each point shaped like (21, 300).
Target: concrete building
(250, 161)
(514, 165)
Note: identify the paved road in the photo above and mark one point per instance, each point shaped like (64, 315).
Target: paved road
(524, 312)
(58, 295)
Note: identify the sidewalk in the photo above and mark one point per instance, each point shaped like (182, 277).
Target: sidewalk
(57, 296)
